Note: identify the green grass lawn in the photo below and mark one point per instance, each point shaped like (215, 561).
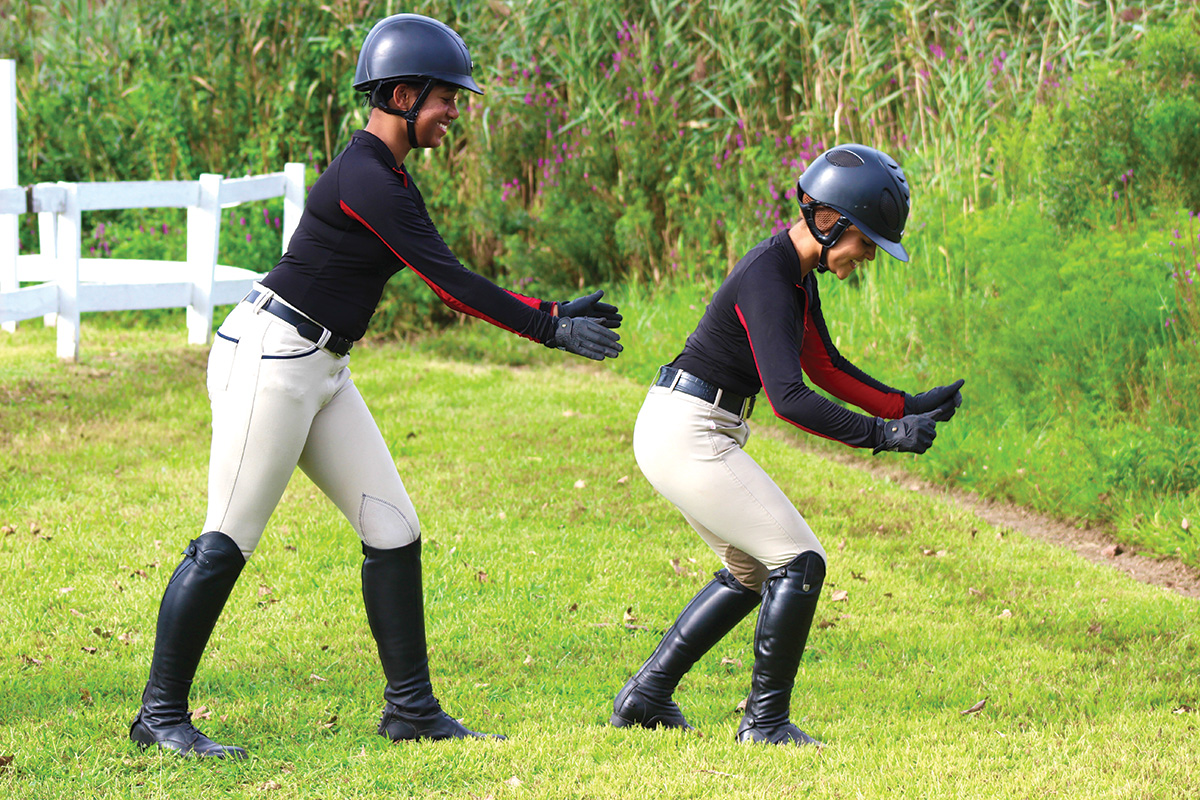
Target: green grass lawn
(551, 569)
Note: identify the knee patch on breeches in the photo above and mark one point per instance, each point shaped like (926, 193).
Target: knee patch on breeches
(749, 571)
(385, 525)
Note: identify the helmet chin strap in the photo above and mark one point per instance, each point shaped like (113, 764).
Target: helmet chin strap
(822, 264)
(410, 116)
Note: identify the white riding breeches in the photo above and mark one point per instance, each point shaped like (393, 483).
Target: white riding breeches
(278, 402)
(691, 452)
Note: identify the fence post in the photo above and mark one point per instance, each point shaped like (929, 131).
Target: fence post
(9, 223)
(293, 199)
(48, 248)
(68, 252)
(203, 241)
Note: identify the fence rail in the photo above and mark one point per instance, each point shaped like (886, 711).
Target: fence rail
(68, 285)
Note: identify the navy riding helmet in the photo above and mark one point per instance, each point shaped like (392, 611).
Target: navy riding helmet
(868, 190)
(413, 49)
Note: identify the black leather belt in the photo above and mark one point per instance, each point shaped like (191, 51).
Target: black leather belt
(310, 330)
(680, 381)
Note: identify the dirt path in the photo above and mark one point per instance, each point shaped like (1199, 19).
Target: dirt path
(1097, 545)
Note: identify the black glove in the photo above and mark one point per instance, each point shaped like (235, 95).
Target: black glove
(585, 337)
(590, 306)
(911, 434)
(943, 401)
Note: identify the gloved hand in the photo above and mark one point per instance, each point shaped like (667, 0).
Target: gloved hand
(590, 306)
(585, 337)
(911, 434)
(943, 400)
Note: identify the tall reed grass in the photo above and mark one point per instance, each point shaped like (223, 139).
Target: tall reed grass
(618, 140)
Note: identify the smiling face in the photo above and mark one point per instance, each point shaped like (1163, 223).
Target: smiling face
(849, 252)
(438, 111)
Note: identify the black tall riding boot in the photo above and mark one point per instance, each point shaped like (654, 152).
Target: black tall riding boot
(190, 606)
(789, 601)
(646, 697)
(391, 581)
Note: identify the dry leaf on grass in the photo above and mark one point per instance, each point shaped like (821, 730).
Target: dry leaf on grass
(580, 484)
(841, 595)
(975, 708)
(5, 761)
(1005, 614)
(514, 781)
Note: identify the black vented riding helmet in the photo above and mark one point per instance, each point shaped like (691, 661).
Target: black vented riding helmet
(864, 185)
(414, 49)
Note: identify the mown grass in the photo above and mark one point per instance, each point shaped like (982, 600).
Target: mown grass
(1045, 422)
(541, 597)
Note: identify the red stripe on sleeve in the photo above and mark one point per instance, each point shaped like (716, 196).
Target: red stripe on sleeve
(445, 296)
(754, 353)
(532, 302)
(819, 366)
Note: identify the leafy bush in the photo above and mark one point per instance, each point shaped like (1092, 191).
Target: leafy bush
(1131, 127)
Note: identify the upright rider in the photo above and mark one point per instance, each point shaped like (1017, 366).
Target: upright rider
(282, 396)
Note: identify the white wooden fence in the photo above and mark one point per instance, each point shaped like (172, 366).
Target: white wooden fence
(69, 285)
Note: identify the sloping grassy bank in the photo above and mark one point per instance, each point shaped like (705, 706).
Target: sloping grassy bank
(1030, 431)
(551, 568)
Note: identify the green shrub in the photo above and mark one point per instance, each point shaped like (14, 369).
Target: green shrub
(1129, 128)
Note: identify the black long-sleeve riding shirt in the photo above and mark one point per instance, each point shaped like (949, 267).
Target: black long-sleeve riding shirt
(364, 221)
(764, 329)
